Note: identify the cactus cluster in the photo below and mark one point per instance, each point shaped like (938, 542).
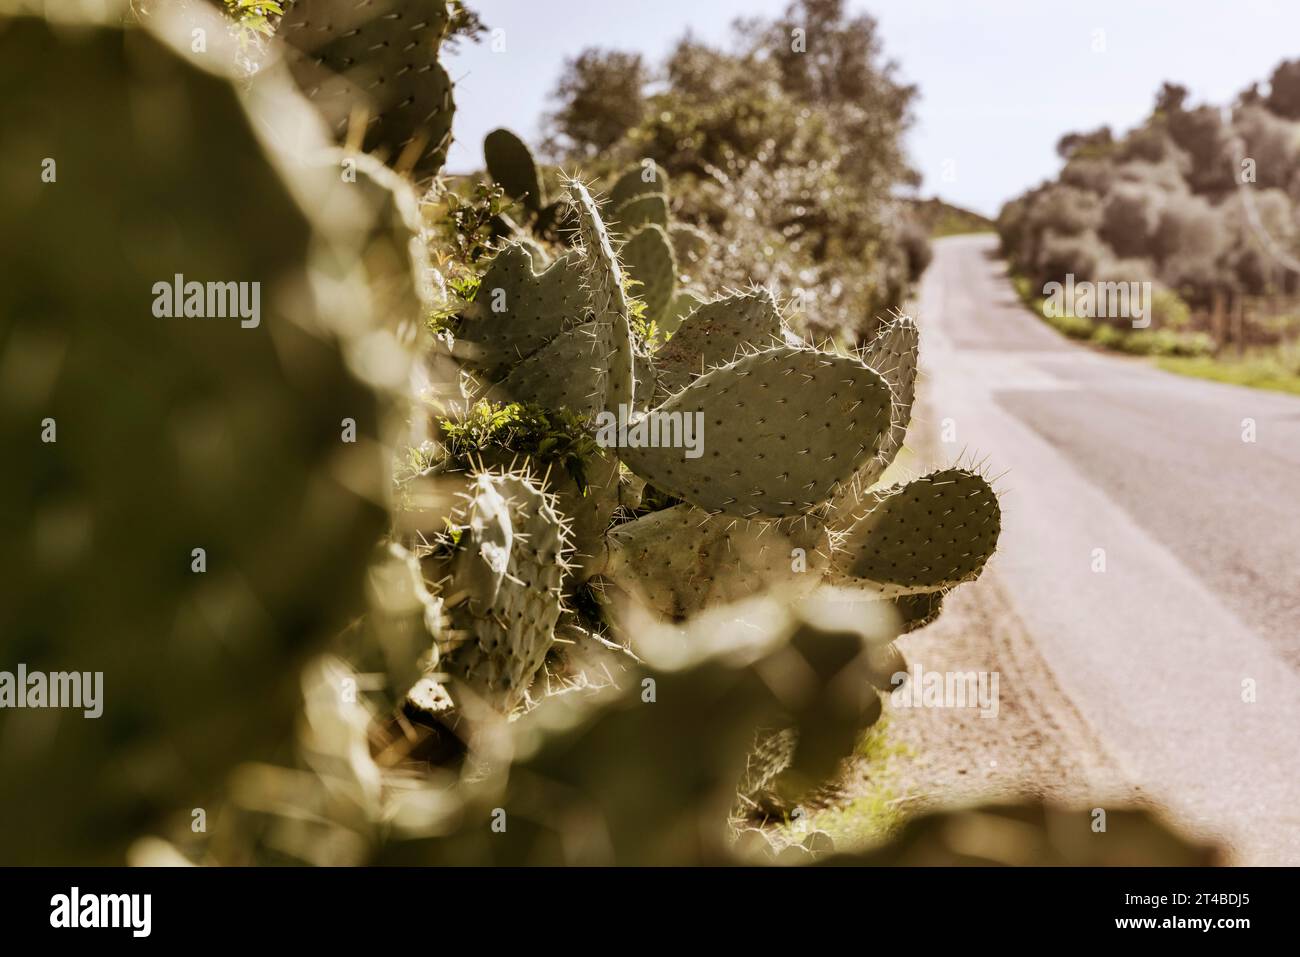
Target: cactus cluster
(779, 496)
(619, 483)
(194, 493)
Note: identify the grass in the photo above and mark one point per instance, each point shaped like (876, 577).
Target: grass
(1188, 354)
(1257, 372)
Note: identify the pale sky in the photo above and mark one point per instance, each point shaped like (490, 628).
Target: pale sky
(1000, 80)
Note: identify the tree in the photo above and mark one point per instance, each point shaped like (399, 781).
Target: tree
(600, 96)
(1085, 145)
(1284, 90)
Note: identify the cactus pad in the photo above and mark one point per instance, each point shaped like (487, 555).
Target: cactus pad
(649, 209)
(929, 534)
(648, 257)
(715, 332)
(781, 429)
(565, 373)
(690, 244)
(683, 304)
(376, 62)
(508, 572)
(638, 180)
(682, 560)
(893, 353)
(510, 163)
(518, 310)
(607, 300)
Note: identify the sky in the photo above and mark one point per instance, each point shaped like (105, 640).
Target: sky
(1000, 80)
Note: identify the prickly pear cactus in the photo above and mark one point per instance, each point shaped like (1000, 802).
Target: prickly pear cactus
(750, 460)
(684, 303)
(691, 245)
(510, 163)
(196, 478)
(643, 179)
(633, 765)
(607, 301)
(927, 535)
(510, 557)
(371, 68)
(894, 353)
(715, 333)
(566, 373)
(645, 210)
(683, 560)
(649, 258)
(518, 309)
(782, 429)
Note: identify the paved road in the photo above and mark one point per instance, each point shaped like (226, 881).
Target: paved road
(1200, 596)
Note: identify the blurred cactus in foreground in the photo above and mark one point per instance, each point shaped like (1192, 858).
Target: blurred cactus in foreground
(193, 493)
(536, 641)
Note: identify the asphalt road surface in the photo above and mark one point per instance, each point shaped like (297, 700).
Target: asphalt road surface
(1183, 654)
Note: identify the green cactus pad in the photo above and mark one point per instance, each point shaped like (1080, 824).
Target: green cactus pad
(781, 429)
(510, 163)
(690, 244)
(537, 253)
(172, 434)
(682, 560)
(534, 308)
(608, 302)
(389, 242)
(715, 333)
(378, 60)
(893, 353)
(650, 209)
(506, 585)
(565, 373)
(646, 378)
(648, 257)
(638, 180)
(683, 304)
(917, 611)
(923, 536)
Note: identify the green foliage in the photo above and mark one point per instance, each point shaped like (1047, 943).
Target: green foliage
(600, 97)
(1205, 204)
(788, 158)
(467, 224)
(543, 436)
(254, 19)
(1168, 338)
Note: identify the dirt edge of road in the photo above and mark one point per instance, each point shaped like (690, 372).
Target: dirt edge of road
(1037, 744)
